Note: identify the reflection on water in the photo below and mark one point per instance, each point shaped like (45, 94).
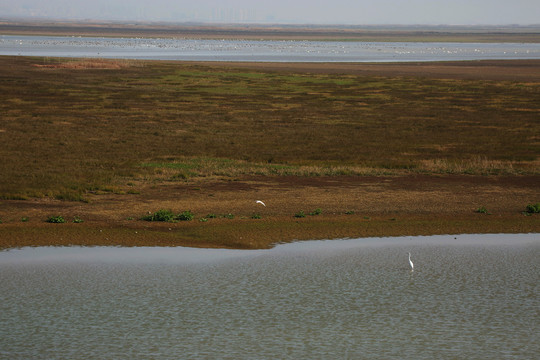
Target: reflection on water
(262, 50)
(470, 297)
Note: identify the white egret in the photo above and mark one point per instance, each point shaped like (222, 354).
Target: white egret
(410, 262)
(260, 202)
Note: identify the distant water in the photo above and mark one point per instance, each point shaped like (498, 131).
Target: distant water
(469, 297)
(262, 50)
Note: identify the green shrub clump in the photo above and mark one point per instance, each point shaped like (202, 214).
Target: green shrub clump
(168, 216)
(55, 219)
(482, 210)
(533, 208)
(185, 216)
(160, 215)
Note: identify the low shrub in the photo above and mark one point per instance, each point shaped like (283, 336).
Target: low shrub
(315, 212)
(168, 216)
(77, 220)
(55, 220)
(533, 208)
(482, 210)
(185, 216)
(300, 214)
(256, 216)
(160, 215)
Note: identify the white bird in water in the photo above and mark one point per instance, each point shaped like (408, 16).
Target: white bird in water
(410, 262)
(260, 202)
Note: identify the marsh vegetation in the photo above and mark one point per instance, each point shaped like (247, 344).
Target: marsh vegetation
(74, 128)
(384, 149)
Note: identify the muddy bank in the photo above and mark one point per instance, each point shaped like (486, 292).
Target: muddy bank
(226, 215)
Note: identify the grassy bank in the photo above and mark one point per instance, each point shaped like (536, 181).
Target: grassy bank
(254, 234)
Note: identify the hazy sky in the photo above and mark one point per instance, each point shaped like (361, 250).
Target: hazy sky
(355, 12)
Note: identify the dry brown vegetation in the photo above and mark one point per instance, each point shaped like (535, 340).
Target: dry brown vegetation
(85, 64)
(111, 140)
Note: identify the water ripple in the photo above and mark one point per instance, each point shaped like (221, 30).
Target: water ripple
(475, 298)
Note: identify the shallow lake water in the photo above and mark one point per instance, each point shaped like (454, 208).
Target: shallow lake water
(260, 50)
(469, 296)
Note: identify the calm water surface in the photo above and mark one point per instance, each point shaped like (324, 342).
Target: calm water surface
(476, 296)
(261, 50)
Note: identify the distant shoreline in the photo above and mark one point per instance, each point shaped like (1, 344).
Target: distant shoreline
(388, 33)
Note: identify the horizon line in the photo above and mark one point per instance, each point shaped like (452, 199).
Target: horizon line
(256, 23)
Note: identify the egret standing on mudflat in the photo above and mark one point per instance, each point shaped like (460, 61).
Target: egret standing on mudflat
(410, 262)
(260, 202)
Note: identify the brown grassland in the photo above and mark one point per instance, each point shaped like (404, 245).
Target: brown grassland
(380, 149)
